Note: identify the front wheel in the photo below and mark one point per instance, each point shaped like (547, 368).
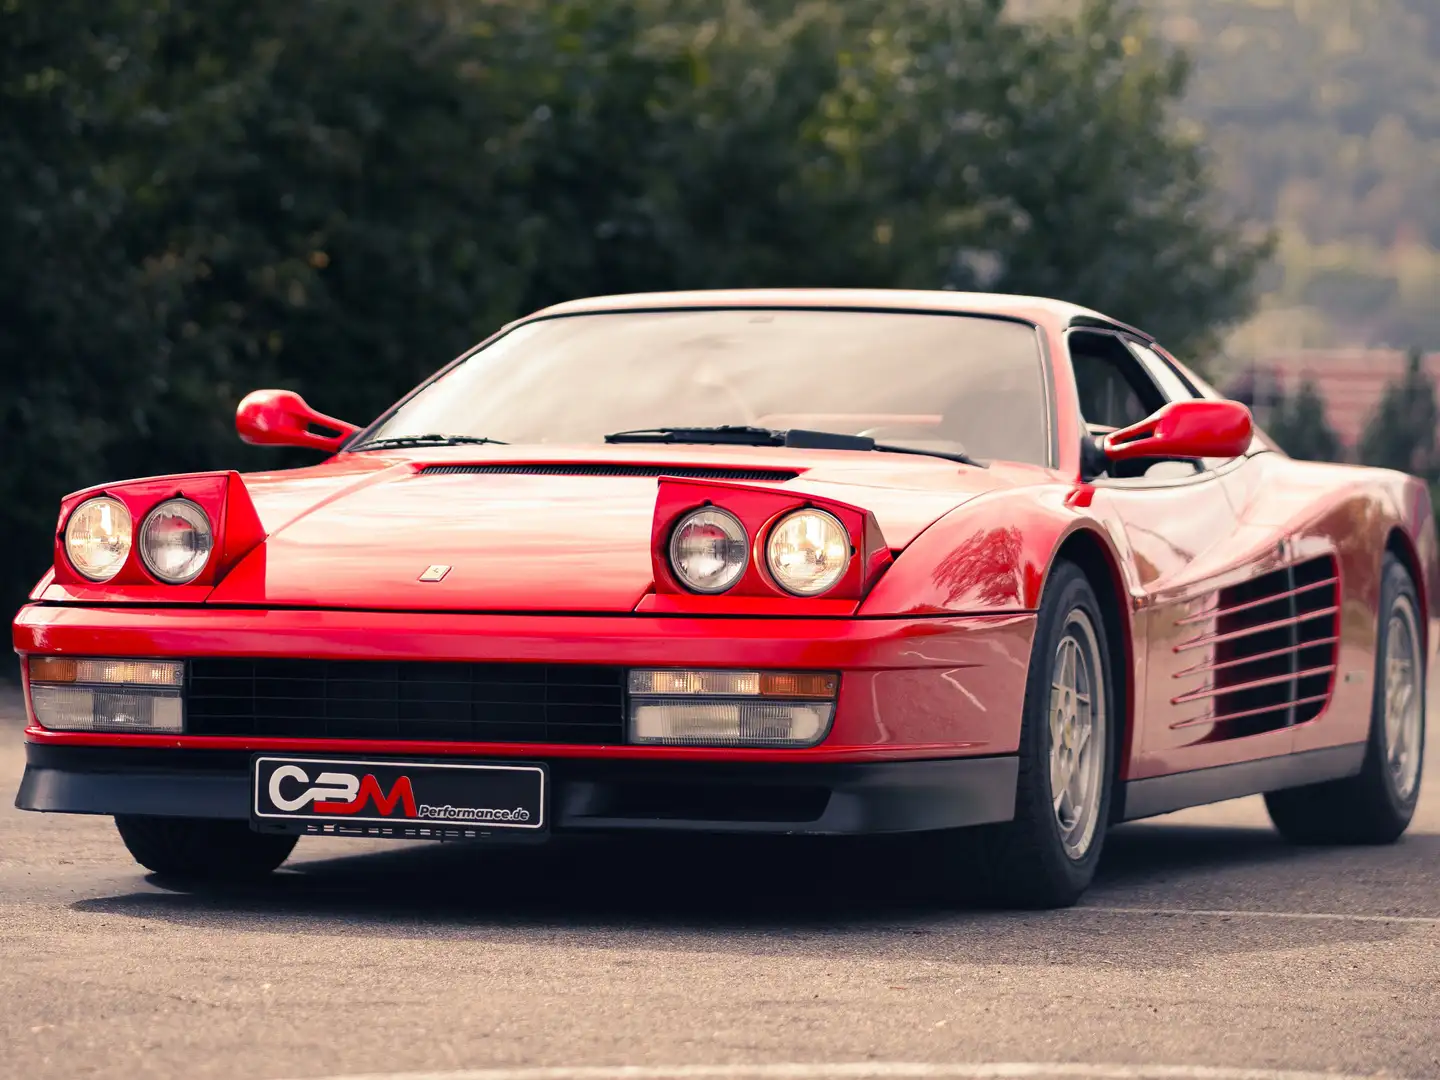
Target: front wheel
(1046, 856)
(198, 849)
(1376, 806)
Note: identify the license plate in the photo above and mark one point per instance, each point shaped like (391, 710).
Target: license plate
(399, 799)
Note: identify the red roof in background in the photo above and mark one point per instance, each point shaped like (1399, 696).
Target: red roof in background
(1350, 380)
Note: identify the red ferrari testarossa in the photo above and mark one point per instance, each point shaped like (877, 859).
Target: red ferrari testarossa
(806, 562)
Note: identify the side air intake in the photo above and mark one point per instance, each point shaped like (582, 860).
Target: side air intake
(1266, 654)
(689, 472)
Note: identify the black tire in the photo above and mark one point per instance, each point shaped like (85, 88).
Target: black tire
(195, 849)
(1368, 808)
(1025, 861)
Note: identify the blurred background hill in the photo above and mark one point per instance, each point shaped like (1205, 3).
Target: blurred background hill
(1324, 116)
(1324, 120)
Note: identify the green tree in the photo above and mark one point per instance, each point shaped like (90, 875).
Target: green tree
(80, 356)
(1299, 424)
(339, 195)
(1401, 434)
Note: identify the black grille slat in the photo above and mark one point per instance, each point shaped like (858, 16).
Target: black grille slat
(688, 472)
(420, 700)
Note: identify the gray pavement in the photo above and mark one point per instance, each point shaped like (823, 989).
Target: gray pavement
(1206, 943)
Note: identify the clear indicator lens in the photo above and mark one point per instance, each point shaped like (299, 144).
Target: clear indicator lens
(175, 541)
(677, 681)
(98, 537)
(808, 552)
(729, 723)
(73, 708)
(708, 550)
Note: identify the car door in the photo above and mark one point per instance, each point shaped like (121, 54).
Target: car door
(1178, 524)
(1325, 699)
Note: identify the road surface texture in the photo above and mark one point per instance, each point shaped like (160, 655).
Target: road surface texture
(1207, 947)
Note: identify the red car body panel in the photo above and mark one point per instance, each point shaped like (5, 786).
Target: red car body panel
(932, 636)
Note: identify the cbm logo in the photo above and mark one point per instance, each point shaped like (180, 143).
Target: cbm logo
(339, 793)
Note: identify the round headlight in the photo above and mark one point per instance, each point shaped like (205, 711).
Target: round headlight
(97, 538)
(708, 550)
(175, 541)
(808, 552)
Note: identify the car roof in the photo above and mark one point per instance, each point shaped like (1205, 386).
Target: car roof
(1034, 309)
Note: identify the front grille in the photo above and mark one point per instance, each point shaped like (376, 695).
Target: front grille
(424, 700)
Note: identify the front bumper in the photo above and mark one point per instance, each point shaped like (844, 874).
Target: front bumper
(824, 798)
(910, 688)
(924, 737)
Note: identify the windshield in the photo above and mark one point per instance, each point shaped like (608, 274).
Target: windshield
(933, 382)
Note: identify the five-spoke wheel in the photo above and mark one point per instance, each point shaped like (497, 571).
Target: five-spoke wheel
(1078, 730)
(1046, 856)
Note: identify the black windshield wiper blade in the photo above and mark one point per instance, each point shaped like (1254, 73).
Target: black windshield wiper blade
(834, 440)
(799, 438)
(948, 455)
(726, 434)
(401, 441)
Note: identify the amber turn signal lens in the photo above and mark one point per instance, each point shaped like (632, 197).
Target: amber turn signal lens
(798, 684)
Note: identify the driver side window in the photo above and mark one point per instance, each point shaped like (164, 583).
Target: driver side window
(1116, 391)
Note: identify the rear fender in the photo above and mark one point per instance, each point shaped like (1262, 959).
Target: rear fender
(1416, 522)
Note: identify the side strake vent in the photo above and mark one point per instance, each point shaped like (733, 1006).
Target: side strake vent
(689, 472)
(1266, 654)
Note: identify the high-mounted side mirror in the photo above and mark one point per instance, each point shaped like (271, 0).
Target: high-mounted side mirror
(1184, 429)
(281, 418)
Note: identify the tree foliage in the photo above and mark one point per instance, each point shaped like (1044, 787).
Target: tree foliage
(1298, 423)
(339, 195)
(1402, 433)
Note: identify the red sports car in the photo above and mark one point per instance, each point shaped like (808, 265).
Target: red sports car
(993, 569)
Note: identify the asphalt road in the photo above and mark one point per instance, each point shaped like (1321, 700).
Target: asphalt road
(1206, 943)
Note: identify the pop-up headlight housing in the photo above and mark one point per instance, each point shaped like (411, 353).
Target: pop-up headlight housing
(166, 539)
(722, 547)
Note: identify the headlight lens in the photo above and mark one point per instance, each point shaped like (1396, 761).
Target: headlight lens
(668, 722)
(708, 550)
(175, 541)
(808, 552)
(97, 538)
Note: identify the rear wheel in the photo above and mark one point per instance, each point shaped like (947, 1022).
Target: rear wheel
(198, 849)
(1046, 856)
(1374, 807)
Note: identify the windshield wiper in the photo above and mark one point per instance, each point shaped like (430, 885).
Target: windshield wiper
(799, 438)
(726, 434)
(401, 441)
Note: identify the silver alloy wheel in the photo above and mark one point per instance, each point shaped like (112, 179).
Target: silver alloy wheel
(1404, 699)
(1078, 734)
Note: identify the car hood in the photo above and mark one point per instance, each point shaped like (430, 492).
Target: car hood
(566, 530)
